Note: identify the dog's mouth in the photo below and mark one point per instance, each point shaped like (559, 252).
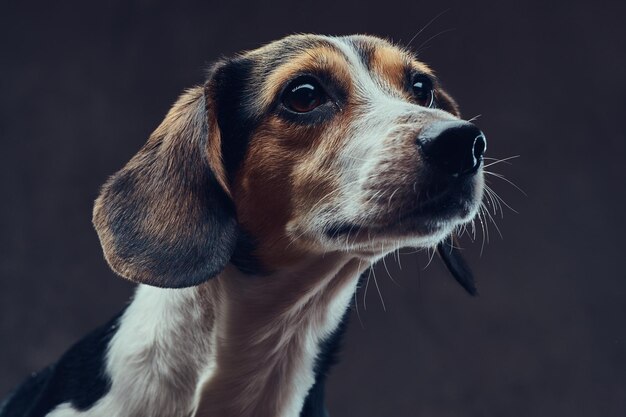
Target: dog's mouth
(445, 202)
(443, 207)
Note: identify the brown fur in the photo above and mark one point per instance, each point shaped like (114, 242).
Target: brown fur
(287, 170)
(391, 64)
(321, 58)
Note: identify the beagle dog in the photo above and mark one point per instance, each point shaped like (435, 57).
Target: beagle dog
(248, 217)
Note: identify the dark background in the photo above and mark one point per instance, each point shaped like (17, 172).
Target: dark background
(82, 86)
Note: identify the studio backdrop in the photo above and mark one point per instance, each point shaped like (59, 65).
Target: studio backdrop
(82, 85)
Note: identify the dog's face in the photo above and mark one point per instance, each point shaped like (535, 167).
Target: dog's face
(337, 154)
(310, 144)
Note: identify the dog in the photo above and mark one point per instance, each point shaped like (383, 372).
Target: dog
(248, 217)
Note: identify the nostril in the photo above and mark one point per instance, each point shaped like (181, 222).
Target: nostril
(480, 146)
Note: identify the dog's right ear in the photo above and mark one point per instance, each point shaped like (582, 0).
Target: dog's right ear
(166, 219)
(445, 102)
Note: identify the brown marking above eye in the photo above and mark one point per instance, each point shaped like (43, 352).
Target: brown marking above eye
(321, 59)
(400, 70)
(390, 64)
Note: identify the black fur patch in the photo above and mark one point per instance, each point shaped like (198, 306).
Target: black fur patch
(243, 257)
(79, 378)
(314, 404)
(236, 122)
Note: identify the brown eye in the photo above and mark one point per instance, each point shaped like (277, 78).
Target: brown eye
(303, 95)
(423, 90)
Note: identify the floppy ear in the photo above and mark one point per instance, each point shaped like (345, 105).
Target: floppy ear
(445, 102)
(166, 218)
(451, 256)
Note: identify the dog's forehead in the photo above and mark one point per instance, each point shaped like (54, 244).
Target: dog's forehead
(355, 49)
(354, 59)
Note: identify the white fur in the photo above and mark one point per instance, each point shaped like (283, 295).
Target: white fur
(162, 361)
(155, 359)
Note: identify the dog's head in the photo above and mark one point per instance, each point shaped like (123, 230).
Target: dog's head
(308, 145)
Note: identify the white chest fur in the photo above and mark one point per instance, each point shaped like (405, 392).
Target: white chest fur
(235, 346)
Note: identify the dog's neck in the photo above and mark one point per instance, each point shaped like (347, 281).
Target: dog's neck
(237, 345)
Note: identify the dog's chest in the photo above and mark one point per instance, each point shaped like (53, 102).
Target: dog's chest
(271, 342)
(178, 351)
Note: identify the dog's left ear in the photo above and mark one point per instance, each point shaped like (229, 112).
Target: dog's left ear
(444, 101)
(166, 219)
(454, 261)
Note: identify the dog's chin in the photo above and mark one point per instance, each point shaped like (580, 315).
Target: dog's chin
(419, 229)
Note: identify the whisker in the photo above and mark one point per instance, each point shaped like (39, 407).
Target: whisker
(473, 230)
(497, 161)
(391, 196)
(494, 224)
(500, 199)
(483, 212)
(356, 302)
(367, 283)
(416, 250)
(489, 200)
(419, 48)
(380, 295)
(387, 269)
(494, 201)
(503, 178)
(431, 256)
(348, 238)
(461, 230)
(398, 258)
(482, 228)
(497, 198)
(430, 22)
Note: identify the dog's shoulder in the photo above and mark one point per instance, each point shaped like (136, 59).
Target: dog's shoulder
(79, 378)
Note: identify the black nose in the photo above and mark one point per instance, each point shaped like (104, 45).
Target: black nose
(456, 148)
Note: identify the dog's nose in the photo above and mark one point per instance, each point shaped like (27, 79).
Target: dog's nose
(456, 148)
